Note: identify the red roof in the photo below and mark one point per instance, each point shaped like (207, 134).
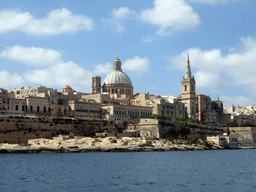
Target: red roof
(67, 87)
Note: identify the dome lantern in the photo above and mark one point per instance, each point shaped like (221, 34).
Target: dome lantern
(117, 64)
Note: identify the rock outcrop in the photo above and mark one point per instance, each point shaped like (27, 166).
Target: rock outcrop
(63, 144)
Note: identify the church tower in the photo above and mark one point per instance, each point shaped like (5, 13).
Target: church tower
(188, 96)
(96, 84)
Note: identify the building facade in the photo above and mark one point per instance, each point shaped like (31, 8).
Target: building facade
(188, 94)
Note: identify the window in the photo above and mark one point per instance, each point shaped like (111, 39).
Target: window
(185, 87)
(44, 109)
(31, 108)
(17, 107)
(23, 108)
(192, 87)
(38, 109)
(18, 92)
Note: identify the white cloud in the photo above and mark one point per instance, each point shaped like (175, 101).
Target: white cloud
(171, 16)
(136, 64)
(118, 16)
(57, 22)
(238, 65)
(103, 68)
(32, 55)
(206, 79)
(61, 74)
(235, 100)
(7, 80)
(208, 1)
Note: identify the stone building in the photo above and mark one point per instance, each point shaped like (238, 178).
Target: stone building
(4, 96)
(83, 109)
(217, 106)
(123, 112)
(117, 83)
(23, 92)
(188, 94)
(204, 111)
(160, 104)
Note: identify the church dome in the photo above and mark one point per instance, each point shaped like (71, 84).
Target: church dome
(67, 87)
(117, 77)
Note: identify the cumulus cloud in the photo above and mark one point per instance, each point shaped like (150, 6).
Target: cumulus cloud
(61, 74)
(8, 80)
(171, 16)
(206, 79)
(32, 55)
(57, 22)
(137, 64)
(208, 1)
(118, 16)
(103, 68)
(238, 65)
(235, 100)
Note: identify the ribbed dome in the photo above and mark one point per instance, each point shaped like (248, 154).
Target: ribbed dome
(117, 78)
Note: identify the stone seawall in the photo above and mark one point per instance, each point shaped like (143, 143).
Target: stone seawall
(20, 130)
(245, 135)
(161, 129)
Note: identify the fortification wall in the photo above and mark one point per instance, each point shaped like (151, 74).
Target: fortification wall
(161, 129)
(245, 135)
(14, 130)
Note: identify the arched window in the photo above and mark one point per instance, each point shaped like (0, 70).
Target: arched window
(185, 87)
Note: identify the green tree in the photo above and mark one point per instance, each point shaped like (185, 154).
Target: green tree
(232, 124)
(193, 121)
(247, 124)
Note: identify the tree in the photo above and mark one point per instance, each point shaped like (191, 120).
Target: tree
(247, 124)
(232, 124)
(181, 129)
(193, 121)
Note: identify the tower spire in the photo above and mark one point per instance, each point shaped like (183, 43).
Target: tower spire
(188, 71)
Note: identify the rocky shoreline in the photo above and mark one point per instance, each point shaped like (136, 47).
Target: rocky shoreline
(64, 144)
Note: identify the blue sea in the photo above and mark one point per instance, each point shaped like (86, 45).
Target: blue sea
(224, 170)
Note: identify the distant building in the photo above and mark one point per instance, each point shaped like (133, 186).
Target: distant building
(188, 94)
(112, 99)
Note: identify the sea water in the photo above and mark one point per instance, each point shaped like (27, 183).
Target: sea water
(223, 170)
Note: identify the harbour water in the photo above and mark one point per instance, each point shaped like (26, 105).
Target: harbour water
(223, 170)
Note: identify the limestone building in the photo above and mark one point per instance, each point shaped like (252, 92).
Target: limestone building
(160, 104)
(188, 94)
(117, 83)
(204, 111)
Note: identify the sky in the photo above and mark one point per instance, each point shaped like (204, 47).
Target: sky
(67, 42)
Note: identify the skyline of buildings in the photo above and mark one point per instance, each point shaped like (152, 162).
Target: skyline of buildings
(67, 43)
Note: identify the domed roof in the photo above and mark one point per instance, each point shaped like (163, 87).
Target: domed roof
(117, 77)
(67, 87)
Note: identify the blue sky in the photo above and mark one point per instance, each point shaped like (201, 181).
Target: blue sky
(58, 43)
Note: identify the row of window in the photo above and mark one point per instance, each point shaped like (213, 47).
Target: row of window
(27, 91)
(121, 91)
(136, 113)
(169, 107)
(25, 108)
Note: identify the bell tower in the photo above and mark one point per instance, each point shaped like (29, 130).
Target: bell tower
(96, 84)
(188, 95)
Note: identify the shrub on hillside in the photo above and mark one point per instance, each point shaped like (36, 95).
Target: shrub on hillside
(232, 124)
